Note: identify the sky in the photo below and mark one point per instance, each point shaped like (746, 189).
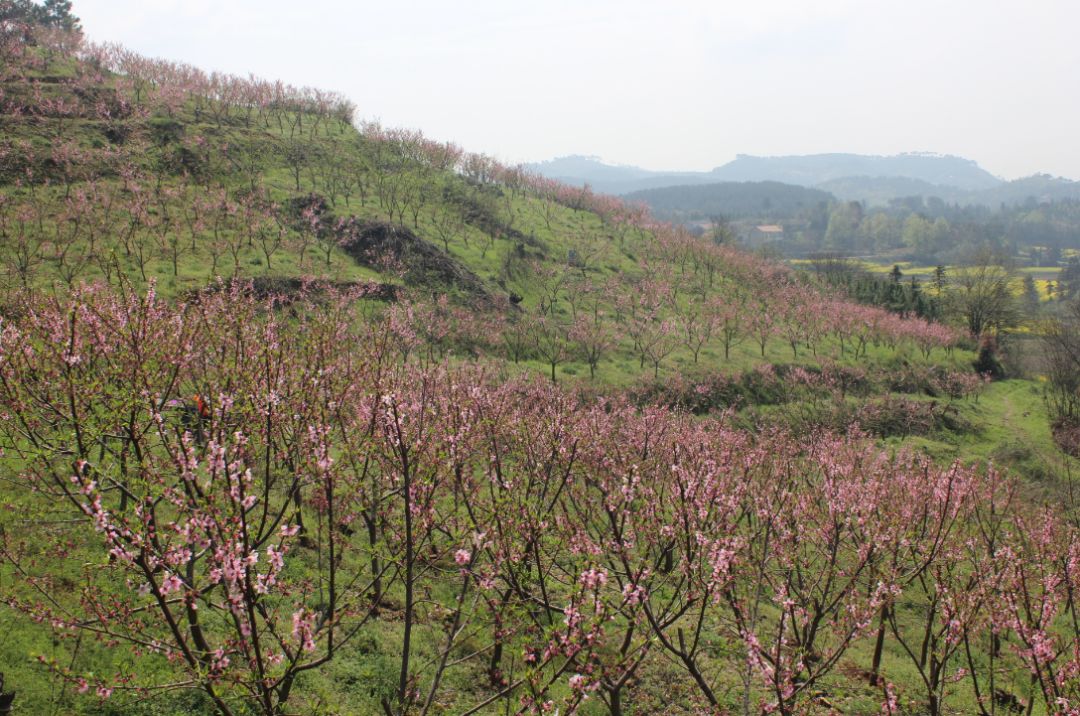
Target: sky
(671, 86)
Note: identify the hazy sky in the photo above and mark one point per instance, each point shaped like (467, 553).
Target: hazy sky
(676, 85)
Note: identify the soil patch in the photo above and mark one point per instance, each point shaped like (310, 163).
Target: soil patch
(376, 244)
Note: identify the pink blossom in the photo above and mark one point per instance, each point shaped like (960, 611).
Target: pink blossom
(171, 584)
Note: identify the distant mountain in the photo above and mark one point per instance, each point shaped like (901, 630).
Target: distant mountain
(733, 200)
(878, 191)
(590, 169)
(815, 169)
(849, 177)
(1038, 188)
(953, 173)
(579, 170)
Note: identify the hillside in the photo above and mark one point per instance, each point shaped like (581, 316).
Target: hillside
(304, 417)
(733, 200)
(879, 191)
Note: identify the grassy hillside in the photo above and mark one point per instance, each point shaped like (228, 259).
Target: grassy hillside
(379, 271)
(150, 180)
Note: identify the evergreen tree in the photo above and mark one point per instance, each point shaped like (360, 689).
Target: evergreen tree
(939, 280)
(52, 13)
(1069, 280)
(1030, 295)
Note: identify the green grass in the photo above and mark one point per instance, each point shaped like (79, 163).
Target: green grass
(1013, 432)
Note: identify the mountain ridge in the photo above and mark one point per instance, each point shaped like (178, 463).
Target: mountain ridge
(871, 178)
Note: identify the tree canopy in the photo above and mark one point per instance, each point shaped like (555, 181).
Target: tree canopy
(51, 13)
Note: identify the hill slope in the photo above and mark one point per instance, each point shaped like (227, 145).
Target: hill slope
(730, 199)
(298, 417)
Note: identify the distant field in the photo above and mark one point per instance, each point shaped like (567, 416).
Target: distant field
(1043, 275)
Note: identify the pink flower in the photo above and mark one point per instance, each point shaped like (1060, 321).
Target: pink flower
(634, 594)
(462, 557)
(594, 578)
(171, 584)
(303, 629)
(220, 661)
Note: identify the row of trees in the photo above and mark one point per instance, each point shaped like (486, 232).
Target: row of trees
(985, 293)
(929, 231)
(101, 228)
(1061, 342)
(505, 535)
(167, 86)
(576, 318)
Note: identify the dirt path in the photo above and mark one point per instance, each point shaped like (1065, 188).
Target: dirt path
(1023, 421)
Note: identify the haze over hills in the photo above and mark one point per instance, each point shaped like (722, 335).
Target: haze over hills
(808, 170)
(813, 169)
(873, 179)
(579, 170)
(880, 190)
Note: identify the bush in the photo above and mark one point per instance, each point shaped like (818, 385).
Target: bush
(987, 362)
(1067, 436)
(891, 416)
